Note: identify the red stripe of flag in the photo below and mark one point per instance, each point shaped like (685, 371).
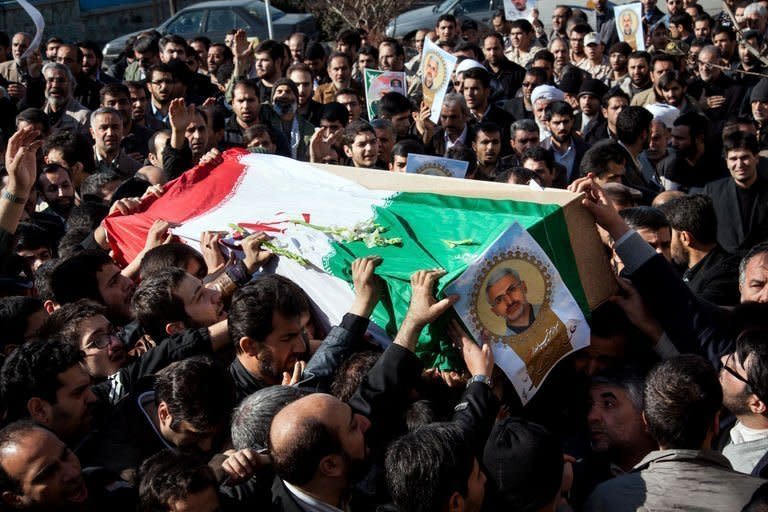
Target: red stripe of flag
(192, 194)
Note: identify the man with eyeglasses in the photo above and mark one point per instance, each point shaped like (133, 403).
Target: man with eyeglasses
(745, 395)
(560, 17)
(506, 294)
(521, 107)
(112, 366)
(576, 39)
(162, 89)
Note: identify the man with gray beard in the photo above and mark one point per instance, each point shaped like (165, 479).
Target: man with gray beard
(64, 111)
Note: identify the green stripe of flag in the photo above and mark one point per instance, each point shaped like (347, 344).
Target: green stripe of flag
(424, 222)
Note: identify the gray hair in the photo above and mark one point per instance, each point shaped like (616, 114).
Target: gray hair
(628, 378)
(755, 8)
(453, 98)
(710, 49)
(757, 250)
(524, 125)
(101, 111)
(497, 275)
(65, 70)
(383, 124)
(252, 419)
(561, 39)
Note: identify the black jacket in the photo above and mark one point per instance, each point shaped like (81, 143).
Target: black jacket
(731, 232)
(715, 278)
(321, 367)
(694, 326)
(580, 147)
(189, 343)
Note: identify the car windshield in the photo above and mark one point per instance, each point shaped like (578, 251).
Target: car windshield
(258, 10)
(446, 5)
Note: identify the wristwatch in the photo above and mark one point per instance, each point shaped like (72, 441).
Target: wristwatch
(480, 378)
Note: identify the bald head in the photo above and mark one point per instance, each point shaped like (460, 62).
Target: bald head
(666, 196)
(317, 437)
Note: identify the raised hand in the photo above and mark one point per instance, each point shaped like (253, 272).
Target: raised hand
(367, 284)
(180, 115)
(20, 161)
(479, 360)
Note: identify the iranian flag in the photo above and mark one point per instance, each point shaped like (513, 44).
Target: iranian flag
(321, 222)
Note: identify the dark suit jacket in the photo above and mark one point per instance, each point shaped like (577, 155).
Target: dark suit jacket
(731, 234)
(581, 147)
(694, 326)
(715, 278)
(436, 145)
(596, 131)
(516, 107)
(504, 120)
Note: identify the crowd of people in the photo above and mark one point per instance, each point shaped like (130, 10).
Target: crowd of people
(188, 380)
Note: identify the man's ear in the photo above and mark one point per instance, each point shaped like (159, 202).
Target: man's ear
(50, 306)
(39, 410)
(248, 346)
(172, 328)
(163, 414)
(756, 405)
(685, 238)
(347, 151)
(331, 466)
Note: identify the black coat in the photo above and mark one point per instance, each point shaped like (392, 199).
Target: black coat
(581, 147)
(731, 232)
(715, 278)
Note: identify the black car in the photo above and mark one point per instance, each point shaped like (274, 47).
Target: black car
(214, 19)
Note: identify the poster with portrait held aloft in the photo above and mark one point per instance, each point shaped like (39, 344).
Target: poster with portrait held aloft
(436, 69)
(436, 166)
(629, 26)
(513, 298)
(377, 84)
(519, 9)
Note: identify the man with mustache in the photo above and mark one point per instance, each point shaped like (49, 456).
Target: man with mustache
(41, 473)
(107, 133)
(506, 293)
(55, 187)
(64, 112)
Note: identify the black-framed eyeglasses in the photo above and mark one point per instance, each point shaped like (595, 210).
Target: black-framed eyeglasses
(102, 340)
(733, 372)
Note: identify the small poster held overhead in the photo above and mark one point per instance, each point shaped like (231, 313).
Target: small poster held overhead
(436, 166)
(377, 84)
(629, 25)
(436, 68)
(513, 298)
(519, 9)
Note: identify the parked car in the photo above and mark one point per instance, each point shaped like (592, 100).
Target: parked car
(426, 17)
(214, 19)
